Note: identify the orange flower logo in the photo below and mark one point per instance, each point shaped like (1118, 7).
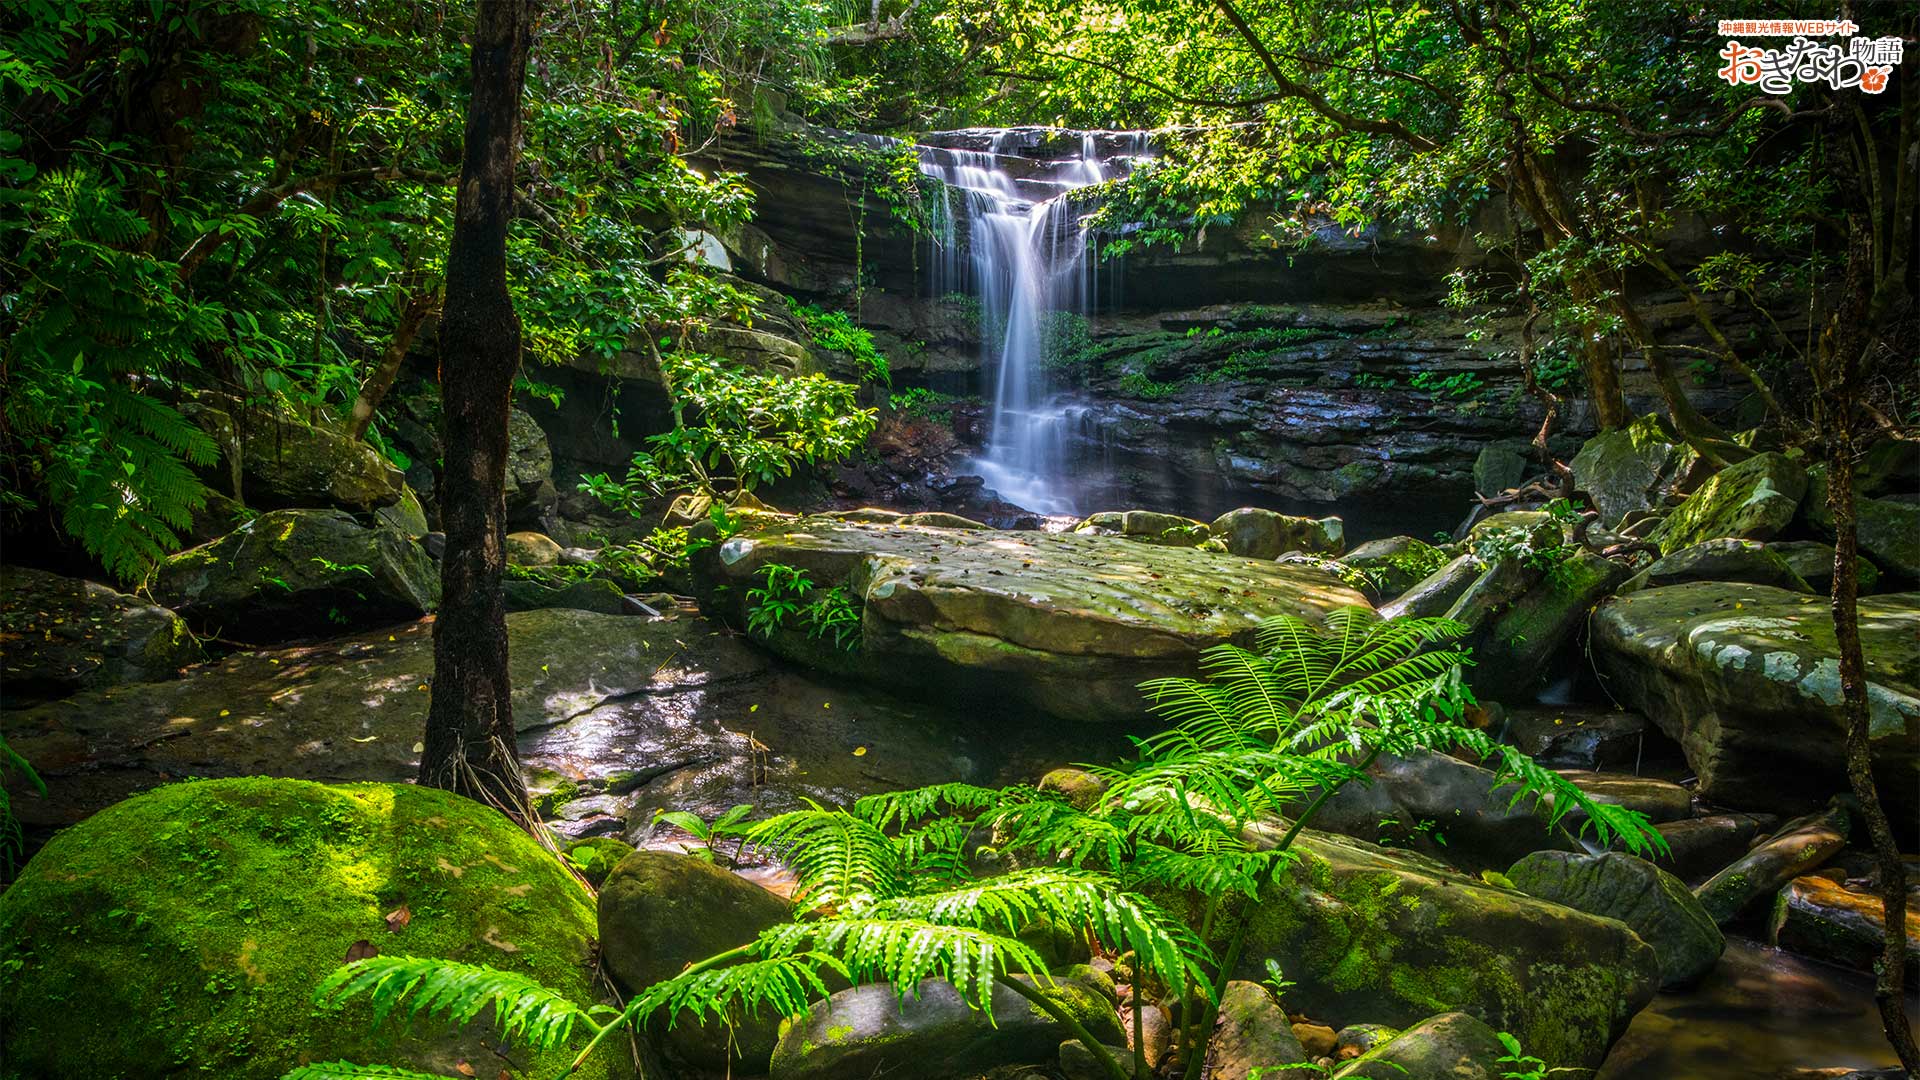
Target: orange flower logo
(1874, 79)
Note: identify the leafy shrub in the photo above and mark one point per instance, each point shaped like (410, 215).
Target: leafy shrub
(834, 331)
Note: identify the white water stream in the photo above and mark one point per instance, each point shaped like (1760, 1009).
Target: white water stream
(1012, 236)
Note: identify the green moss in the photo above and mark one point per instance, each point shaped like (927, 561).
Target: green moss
(195, 921)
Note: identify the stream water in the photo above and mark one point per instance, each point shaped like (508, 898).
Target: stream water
(1013, 235)
(1759, 1013)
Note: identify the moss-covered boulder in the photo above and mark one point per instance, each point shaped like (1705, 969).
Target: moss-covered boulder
(1755, 499)
(1813, 562)
(1889, 530)
(185, 930)
(406, 516)
(1395, 564)
(1436, 593)
(931, 1033)
(1254, 1038)
(1146, 526)
(1836, 922)
(532, 549)
(1725, 559)
(1454, 1046)
(534, 592)
(290, 573)
(1657, 905)
(1747, 679)
(1802, 845)
(1395, 937)
(1515, 645)
(659, 912)
(61, 635)
(1264, 534)
(1442, 807)
(1066, 622)
(284, 461)
(1630, 468)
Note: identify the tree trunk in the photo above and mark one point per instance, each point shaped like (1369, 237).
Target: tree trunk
(1837, 376)
(470, 745)
(414, 312)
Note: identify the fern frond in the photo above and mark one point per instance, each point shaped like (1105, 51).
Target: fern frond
(787, 984)
(837, 856)
(903, 952)
(522, 1008)
(889, 808)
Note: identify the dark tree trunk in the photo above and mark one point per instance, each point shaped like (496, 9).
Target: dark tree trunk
(1837, 375)
(470, 739)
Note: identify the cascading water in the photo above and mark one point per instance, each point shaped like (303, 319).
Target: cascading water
(1026, 258)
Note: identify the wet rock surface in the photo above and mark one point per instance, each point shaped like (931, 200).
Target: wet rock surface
(61, 635)
(299, 573)
(1746, 679)
(1801, 845)
(658, 714)
(1653, 902)
(1392, 936)
(1838, 922)
(1068, 623)
(1454, 1046)
(930, 1033)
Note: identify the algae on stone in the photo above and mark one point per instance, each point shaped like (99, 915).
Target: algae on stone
(191, 926)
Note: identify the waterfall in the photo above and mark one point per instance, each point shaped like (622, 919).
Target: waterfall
(1026, 258)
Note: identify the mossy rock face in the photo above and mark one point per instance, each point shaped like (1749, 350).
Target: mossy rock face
(1889, 531)
(1753, 500)
(286, 462)
(1813, 562)
(291, 573)
(60, 635)
(1436, 593)
(406, 516)
(589, 594)
(185, 930)
(1395, 938)
(1824, 919)
(1747, 679)
(1145, 526)
(659, 912)
(1514, 651)
(932, 1034)
(1725, 559)
(1454, 1046)
(1395, 564)
(1654, 903)
(1254, 1037)
(1264, 534)
(1801, 845)
(1069, 623)
(1629, 469)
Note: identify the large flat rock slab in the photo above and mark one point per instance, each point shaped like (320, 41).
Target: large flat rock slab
(1068, 623)
(618, 717)
(1747, 679)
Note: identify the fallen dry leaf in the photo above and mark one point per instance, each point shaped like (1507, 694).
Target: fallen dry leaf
(465, 1069)
(362, 950)
(398, 918)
